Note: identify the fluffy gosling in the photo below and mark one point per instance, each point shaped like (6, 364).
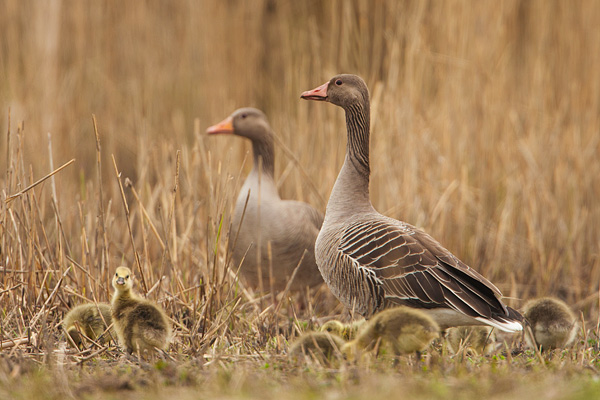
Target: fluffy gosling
(553, 323)
(90, 319)
(398, 331)
(345, 331)
(478, 339)
(140, 324)
(323, 346)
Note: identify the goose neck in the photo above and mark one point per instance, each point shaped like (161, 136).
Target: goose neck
(358, 126)
(264, 156)
(350, 193)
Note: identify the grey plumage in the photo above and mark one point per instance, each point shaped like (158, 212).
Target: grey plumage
(291, 227)
(371, 262)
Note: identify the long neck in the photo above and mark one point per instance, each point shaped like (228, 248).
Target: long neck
(264, 161)
(263, 151)
(350, 193)
(358, 126)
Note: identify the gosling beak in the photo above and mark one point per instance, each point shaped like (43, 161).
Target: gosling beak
(225, 126)
(319, 93)
(120, 280)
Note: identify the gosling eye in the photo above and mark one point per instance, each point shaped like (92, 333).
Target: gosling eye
(127, 277)
(339, 82)
(117, 275)
(244, 116)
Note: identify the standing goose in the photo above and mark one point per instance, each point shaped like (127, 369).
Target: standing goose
(290, 226)
(370, 261)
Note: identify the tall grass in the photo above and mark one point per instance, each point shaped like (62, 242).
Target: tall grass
(485, 132)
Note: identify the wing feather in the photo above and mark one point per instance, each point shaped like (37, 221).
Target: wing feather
(413, 269)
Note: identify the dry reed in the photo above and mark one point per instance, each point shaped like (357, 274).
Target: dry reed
(485, 132)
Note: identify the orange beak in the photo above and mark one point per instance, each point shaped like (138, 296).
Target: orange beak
(225, 126)
(319, 93)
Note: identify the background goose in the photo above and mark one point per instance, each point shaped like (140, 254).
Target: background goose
(140, 324)
(552, 322)
(290, 226)
(371, 261)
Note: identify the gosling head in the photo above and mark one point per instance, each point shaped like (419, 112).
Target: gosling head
(122, 280)
(333, 326)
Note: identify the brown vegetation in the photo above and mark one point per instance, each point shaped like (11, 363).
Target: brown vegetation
(485, 132)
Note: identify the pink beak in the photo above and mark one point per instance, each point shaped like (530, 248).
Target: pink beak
(225, 126)
(319, 93)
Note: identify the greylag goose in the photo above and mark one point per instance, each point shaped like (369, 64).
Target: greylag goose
(345, 331)
(290, 226)
(479, 339)
(370, 261)
(552, 322)
(141, 325)
(321, 345)
(90, 319)
(395, 331)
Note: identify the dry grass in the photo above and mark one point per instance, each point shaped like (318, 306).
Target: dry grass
(486, 133)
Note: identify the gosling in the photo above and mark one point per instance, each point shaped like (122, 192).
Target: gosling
(321, 345)
(140, 324)
(345, 331)
(398, 331)
(552, 322)
(478, 339)
(92, 320)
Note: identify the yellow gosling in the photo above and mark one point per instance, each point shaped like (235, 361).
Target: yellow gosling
(477, 339)
(324, 346)
(553, 323)
(345, 331)
(141, 325)
(91, 320)
(395, 331)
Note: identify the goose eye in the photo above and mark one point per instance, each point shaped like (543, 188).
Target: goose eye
(244, 116)
(339, 82)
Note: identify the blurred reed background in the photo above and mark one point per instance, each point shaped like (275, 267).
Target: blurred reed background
(485, 132)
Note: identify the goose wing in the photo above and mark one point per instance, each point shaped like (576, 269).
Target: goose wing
(413, 269)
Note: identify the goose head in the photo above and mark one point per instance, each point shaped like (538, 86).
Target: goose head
(343, 90)
(248, 122)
